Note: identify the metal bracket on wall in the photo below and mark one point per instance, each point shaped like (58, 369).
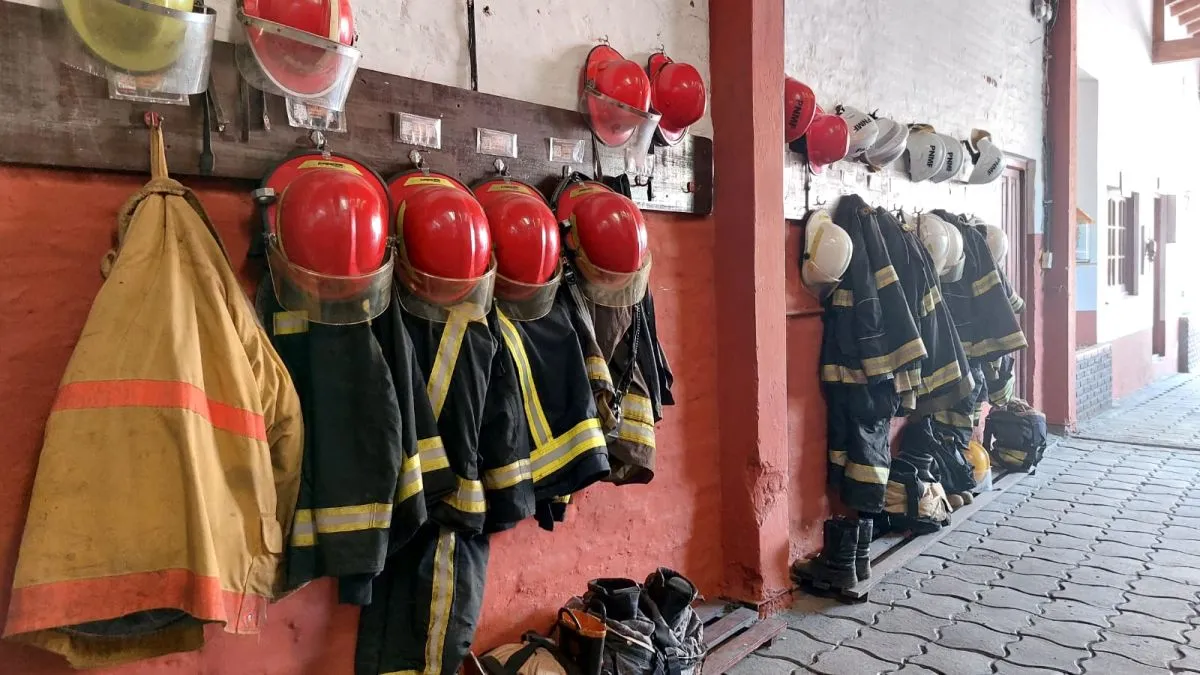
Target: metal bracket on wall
(51, 115)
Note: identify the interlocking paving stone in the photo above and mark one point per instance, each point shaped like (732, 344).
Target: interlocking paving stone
(1101, 511)
(1170, 557)
(1104, 598)
(1118, 550)
(888, 593)
(1189, 546)
(1033, 584)
(941, 606)
(1032, 525)
(1190, 660)
(1069, 556)
(1147, 517)
(1092, 576)
(1039, 566)
(895, 647)
(943, 551)
(961, 539)
(795, 646)
(1009, 599)
(1009, 533)
(953, 661)
(1125, 566)
(979, 556)
(1066, 633)
(976, 574)
(1093, 499)
(1106, 663)
(1177, 532)
(925, 564)
(1113, 491)
(1070, 610)
(1187, 575)
(758, 665)
(1034, 651)
(1085, 532)
(990, 517)
(863, 612)
(1192, 512)
(1151, 503)
(1145, 650)
(1139, 539)
(954, 587)
(1053, 494)
(1064, 541)
(909, 622)
(1015, 549)
(967, 635)
(1032, 511)
(824, 628)
(914, 669)
(1132, 623)
(1006, 668)
(1164, 608)
(845, 660)
(974, 527)
(1079, 518)
(1122, 525)
(1163, 588)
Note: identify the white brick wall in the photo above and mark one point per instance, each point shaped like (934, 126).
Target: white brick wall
(954, 64)
(530, 50)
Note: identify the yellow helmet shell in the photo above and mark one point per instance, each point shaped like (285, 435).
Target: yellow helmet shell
(137, 36)
(979, 460)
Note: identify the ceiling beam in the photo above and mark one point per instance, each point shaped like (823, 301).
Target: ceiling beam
(1175, 50)
(1180, 6)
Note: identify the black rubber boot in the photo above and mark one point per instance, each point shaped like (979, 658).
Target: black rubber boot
(834, 568)
(618, 597)
(862, 556)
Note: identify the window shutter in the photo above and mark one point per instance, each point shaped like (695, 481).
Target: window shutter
(1133, 244)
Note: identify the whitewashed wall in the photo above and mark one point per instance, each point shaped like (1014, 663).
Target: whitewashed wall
(530, 50)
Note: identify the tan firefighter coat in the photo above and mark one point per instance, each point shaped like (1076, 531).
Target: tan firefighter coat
(170, 466)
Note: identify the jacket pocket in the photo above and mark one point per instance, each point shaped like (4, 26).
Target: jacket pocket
(272, 534)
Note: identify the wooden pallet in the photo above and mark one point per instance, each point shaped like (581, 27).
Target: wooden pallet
(732, 633)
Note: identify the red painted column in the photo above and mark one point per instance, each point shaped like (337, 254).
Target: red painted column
(747, 48)
(1059, 308)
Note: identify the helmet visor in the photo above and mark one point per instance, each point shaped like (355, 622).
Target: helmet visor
(612, 289)
(329, 299)
(438, 298)
(526, 302)
(284, 61)
(138, 45)
(817, 281)
(616, 124)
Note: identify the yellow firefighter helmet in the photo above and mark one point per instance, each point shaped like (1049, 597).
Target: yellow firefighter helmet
(981, 463)
(137, 36)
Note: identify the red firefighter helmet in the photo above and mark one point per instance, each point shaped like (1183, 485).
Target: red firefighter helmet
(526, 244)
(799, 108)
(608, 240)
(328, 221)
(677, 92)
(445, 246)
(828, 140)
(616, 98)
(303, 47)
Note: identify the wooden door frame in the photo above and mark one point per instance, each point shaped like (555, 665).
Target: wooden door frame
(1028, 269)
(1158, 273)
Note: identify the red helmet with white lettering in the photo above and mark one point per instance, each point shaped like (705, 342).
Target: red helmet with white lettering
(828, 140)
(799, 108)
(615, 94)
(300, 48)
(678, 93)
(328, 220)
(608, 242)
(526, 244)
(445, 243)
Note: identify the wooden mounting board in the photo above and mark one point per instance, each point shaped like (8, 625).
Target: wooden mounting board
(52, 115)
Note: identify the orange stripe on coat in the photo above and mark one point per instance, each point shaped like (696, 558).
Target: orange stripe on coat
(66, 603)
(160, 394)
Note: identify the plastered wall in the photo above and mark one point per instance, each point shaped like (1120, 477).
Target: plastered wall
(530, 50)
(953, 64)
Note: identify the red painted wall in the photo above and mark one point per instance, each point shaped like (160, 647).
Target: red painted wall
(54, 228)
(1134, 365)
(1085, 328)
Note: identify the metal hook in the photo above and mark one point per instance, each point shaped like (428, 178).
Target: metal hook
(414, 156)
(319, 141)
(152, 119)
(501, 168)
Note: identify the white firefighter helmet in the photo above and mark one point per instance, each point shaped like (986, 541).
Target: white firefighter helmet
(863, 130)
(827, 252)
(889, 146)
(955, 158)
(955, 257)
(935, 237)
(997, 242)
(926, 153)
(531, 658)
(989, 162)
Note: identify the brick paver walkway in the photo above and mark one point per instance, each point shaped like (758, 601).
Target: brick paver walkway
(1092, 565)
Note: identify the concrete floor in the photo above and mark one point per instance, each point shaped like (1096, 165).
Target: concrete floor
(1091, 565)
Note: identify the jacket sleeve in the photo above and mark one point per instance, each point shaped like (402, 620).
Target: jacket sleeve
(899, 345)
(505, 443)
(285, 431)
(997, 330)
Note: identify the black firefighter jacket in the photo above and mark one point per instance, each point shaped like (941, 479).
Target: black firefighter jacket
(869, 337)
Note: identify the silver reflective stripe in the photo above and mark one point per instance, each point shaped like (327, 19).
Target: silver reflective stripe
(441, 602)
(433, 454)
(467, 497)
(507, 476)
(411, 483)
(585, 436)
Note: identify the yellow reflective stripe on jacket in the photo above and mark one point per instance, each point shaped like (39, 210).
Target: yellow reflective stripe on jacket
(441, 602)
(930, 302)
(865, 473)
(637, 408)
(886, 277)
(309, 523)
(843, 298)
(585, 436)
(507, 476)
(433, 454)
(467, 497)
(954, 419)
(597, 370)
(989, 281)
(838, 457)
(1008, 343)
(941, 377)
(443, 364)
(636, 432)
(831, 373)
(410, 484)
(539, 427)
(910, 351)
